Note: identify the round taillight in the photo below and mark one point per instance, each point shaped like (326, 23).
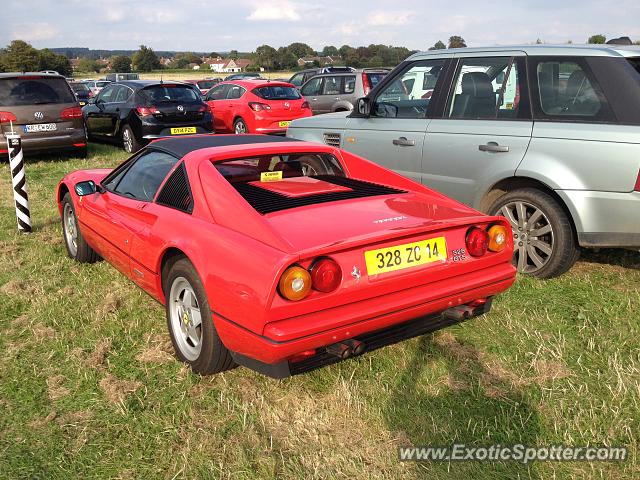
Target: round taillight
(477, 242)
(326, 275)
(497, 238)
(295, 283)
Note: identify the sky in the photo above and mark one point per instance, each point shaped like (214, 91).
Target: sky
(206, 26)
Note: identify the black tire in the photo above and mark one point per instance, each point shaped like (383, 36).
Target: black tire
(80, 251)
(213, 356)
(554, 242)
(240, 124)
(129, 141)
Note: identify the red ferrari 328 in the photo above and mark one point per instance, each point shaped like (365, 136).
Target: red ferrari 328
(282, 255)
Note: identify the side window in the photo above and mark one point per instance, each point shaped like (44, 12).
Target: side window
(143, 178)
(349, 84)
(408, 95)
(297, 79)
(312, 87)
(107, 94)
(218, 92)
(332, 85)
(567, 90)
(235, 92)
(123, 94)
(487, 88)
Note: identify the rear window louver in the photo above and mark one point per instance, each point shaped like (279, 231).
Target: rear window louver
(176, 192)
(332, 139)
(265, 201)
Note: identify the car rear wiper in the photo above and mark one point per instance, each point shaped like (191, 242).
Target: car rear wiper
(43, 102)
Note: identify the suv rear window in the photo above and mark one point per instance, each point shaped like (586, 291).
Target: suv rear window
(277, 92)
(169, 93)
(34, 91)
(374, 78)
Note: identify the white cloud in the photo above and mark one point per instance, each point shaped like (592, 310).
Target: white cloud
(382, 18)
(281, 10)
(35, 31)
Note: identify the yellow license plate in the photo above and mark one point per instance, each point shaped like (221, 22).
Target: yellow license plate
(408, 255)
(284, 124)
(182, 130)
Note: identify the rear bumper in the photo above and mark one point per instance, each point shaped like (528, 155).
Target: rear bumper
(283, 339)
(72, 140)
(604, 219)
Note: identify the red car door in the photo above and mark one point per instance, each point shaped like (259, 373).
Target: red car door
(217, 101)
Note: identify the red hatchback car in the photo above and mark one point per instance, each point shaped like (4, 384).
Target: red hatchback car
(284, 256)
(255, 106)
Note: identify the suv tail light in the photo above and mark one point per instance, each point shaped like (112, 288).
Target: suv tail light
(326, 275)
(147, 111)
(637, 187)
(366, 86)
(258, 107)
(6, 117)
(71, 112)
(477, 242)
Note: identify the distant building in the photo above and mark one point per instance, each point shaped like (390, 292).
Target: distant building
(228, 65)
(193, 66)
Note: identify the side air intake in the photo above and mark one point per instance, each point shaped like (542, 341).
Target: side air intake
(176, 192)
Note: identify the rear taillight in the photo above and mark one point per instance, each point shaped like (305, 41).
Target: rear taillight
(305, 105)
(258, 107)
(366, 86)
(71, 112)
(637, 187)
(295, 283)
(90, 94)
(477, 242)
(497, 238)
(6, 117)
(326, 275)
(147, 111)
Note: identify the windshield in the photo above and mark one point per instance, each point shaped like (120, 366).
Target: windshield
(206, 83)
(169, 93)
(246, 170)
(34, 91)
(79, 87)
(277, 92)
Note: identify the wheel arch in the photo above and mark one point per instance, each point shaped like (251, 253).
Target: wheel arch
(63, 189)
(170, 256)
(510, 184)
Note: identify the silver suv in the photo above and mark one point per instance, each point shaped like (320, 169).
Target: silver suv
(337, 92)
(548, 136)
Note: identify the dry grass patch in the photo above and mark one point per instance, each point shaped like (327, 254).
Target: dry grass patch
(55, 387)
(160, 351)
(116, 390)
(99, 354)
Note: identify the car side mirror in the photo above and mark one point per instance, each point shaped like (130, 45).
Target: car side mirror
(363, 106)
(87, 187)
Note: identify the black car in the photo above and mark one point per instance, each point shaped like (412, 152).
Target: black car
(136, 111)
(82, 92)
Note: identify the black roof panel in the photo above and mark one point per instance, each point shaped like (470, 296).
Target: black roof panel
(180, 146)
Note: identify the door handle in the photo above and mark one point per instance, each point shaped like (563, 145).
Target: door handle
(493, 147)
(337, 98)
(403, 142)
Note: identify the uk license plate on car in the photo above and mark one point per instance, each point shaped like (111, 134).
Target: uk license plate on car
(182, 130)
(40, 127)
(407, 255)
(284, 124)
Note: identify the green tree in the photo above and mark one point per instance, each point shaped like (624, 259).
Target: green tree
(88, 65)
(300, 50)
(233, 54)
(330, 51)
(49, 60)
(146, 60)
(439, 45)
(266, 56)
(598, 39)
(19, 56)
(121, 64)
(456, 42)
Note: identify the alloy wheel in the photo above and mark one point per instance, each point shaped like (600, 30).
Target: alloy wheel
(70, 229)
(185, 318)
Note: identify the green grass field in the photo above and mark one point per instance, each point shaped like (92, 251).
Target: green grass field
(89, 387)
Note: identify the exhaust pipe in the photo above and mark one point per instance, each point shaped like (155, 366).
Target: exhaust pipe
(340, 350)
(357, 347)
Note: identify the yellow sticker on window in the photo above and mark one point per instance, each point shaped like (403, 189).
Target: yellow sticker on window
(271, 176)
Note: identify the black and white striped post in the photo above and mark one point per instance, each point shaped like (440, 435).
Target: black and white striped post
(19, 180)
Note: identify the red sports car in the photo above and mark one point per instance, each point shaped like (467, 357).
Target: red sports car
(255, 106)
(283, 255)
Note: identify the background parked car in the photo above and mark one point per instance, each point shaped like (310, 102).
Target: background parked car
(337, 92)
(134, 112)
(120, 77)
(96, 86)
(562, 165)
(302, 76)
(256, 106)
(204, 85)
(81, 91)
(43, 110)
(242, 76)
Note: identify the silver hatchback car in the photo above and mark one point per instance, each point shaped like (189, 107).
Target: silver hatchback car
(548, 136)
